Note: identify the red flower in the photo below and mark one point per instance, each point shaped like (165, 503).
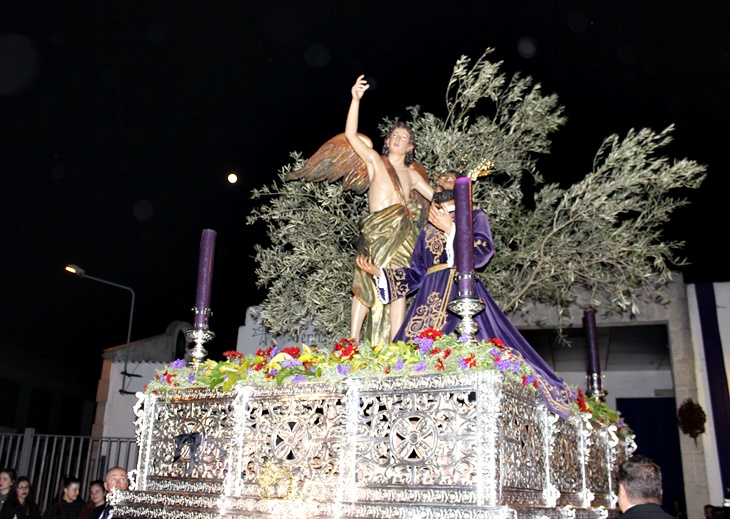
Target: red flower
(293, 351)
(259, 366)
(387, 370)
(348, 353)
(470, 361)
(581, 400)
(447, 352)
(439, 365)
(430, 333)
(264, 353)
(346, 349)
(435, 351)
(497, 342)
(169, 377)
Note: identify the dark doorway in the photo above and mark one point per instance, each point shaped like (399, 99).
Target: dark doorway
(654, 421)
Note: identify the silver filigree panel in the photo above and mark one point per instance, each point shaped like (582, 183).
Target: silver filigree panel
(422, 437)
(599, 466)
(523, 444)
(300, 432)
(566, 462)
(188, 439)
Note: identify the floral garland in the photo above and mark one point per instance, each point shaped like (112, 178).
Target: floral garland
(431, 352)
(691, 418)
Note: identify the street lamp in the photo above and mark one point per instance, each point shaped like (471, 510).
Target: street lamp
(78, 271)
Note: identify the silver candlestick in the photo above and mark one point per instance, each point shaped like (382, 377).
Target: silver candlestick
(595, 389)
(200, 334)
(466, 308)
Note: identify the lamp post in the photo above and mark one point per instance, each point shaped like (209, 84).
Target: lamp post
(78, 271)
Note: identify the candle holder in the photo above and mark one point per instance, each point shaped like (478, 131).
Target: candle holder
(594, 387)
(467, 305)
(466, 308)
(200, 334)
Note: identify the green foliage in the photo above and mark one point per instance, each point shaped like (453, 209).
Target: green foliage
(308, 265)
(603, 234)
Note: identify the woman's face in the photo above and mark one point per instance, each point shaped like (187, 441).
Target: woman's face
(97, 495)
(71, 492)
(5, 482)
(23, 489)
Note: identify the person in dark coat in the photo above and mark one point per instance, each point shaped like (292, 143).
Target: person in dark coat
(640, 489)
(20, 504)
(67, 504)
(116, 479)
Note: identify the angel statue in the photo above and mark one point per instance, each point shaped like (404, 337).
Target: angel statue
(388, 233)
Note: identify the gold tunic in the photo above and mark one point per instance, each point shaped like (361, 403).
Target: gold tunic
(388, 236)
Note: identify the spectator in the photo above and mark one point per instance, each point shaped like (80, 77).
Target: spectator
(96, 501)
(67, 504)
(116, 479)
(680, 509)
(640, 489)
(7, 478)
(708, 511)
(20, 504)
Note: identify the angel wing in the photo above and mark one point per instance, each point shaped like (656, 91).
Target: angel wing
(336, 160)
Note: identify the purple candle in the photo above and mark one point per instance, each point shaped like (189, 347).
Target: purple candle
(205, 276)
(594, 360)
(464, 241)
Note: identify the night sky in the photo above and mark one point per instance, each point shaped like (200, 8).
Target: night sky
(121, 120)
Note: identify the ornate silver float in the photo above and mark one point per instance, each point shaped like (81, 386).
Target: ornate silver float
(471, 445)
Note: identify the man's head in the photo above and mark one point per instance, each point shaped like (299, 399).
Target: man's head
(640, 482)
(709, 509)
(400, 138)
(116, 478)
(444, 189)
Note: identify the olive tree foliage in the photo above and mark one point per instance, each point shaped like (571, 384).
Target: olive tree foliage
(307, 267)
(602, 234)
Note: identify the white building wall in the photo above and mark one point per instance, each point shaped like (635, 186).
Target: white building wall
(708, 440)
(118, 413)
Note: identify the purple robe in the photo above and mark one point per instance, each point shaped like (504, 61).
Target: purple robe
(431, 273)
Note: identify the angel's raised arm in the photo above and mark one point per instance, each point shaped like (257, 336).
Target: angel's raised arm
(364, 152)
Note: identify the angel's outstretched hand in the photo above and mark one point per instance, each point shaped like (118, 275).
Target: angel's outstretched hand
(358, 89)
(366, 263)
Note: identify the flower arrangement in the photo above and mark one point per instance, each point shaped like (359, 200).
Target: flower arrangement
(431, 352)
(600, 412)
(691, 418)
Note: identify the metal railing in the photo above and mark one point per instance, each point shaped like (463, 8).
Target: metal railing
(46, 458)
